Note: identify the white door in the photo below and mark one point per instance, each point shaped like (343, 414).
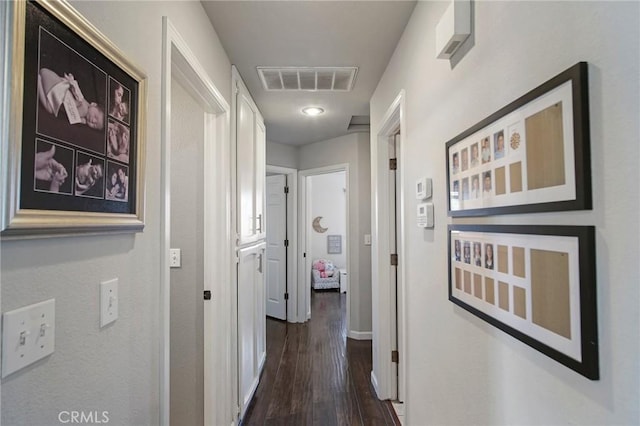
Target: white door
(251, 343)
(276, 250)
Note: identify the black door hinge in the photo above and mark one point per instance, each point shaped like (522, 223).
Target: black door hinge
(395, 356)
(286, 243)
(286, 296)
(304, 254)
(393, 164)
(394, 260)
(207, 295)
(286, 189)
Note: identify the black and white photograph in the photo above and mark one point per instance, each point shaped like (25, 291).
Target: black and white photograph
(117, 182)
(89, 175)
(71, 95)
(118, 141)
(119, 97)
(53, 168)
(82, 106)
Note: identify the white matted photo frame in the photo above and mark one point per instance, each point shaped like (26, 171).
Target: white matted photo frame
(76, 146)
(536, 283)
(532, 155)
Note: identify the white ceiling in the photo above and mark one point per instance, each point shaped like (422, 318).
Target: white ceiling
(310, 33)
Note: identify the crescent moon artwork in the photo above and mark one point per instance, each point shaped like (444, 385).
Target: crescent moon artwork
(316, 225)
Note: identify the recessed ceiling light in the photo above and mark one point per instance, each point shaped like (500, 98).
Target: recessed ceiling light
(313, 111)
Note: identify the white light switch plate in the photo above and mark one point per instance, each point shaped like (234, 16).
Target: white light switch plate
(367, 239)
(28, 335)
(108, 302)
(175, 258)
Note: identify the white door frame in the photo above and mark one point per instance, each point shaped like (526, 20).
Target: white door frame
(292, 236)
(382, 375)
(5, 112)
(304, 264)
(179, 62)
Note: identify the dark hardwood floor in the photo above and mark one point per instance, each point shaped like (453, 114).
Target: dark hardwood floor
(314, 375)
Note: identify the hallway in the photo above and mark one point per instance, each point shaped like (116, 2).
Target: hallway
(314, 375)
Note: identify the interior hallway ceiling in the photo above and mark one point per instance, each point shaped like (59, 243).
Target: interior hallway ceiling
(310, 33)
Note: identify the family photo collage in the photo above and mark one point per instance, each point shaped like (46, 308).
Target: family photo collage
(488, 167)
(523, 281)
(83, 136)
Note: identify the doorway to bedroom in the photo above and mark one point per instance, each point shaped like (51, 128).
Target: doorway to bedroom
(327, 244)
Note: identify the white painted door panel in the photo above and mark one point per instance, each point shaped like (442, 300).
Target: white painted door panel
(246, 172)
(251, 321)
(276, 251)
(260, 174)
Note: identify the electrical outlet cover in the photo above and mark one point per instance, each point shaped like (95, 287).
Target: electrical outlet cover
(28, 335)
(108, 302)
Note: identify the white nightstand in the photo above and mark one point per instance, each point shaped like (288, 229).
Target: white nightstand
(344, 280)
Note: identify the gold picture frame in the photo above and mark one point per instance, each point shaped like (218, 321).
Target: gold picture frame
(74, 152)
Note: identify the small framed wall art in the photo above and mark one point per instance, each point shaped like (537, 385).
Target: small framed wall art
(536, 283)
(75, 152)
(530, 156)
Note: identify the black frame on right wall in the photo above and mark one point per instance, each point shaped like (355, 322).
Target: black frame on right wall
(532, 155)
(537, 283)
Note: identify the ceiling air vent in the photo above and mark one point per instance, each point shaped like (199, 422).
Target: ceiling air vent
(325, 79)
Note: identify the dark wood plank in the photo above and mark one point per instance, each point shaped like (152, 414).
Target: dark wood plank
(277, 332)
(282, 386)
(314, 375)
(324, 413)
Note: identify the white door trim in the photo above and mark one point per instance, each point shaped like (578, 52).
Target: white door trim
(304, 264)
(5, 112)
(179, 62)
(382, 309)
(292, 234)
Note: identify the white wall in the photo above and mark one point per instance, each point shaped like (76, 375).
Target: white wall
(279, 154)
(116, 368)
(328, 199)
(187, 282)
(354, 150)
(460, 370)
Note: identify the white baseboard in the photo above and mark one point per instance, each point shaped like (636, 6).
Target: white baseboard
(374, 382)
(360, 335)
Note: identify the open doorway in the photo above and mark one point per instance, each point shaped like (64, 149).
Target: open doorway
(187, 281)
(324, 234)
(195, 173)
(388, 257)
